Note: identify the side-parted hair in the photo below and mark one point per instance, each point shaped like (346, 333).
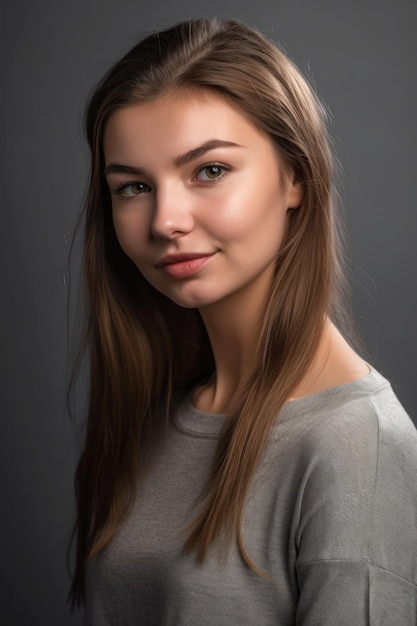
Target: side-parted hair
(142, 346)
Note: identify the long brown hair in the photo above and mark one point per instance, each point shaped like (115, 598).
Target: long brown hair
(142, 346)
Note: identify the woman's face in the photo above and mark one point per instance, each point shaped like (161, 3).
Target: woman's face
(199, 196)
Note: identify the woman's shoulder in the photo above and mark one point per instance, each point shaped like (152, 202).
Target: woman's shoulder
(342, 482)
(362, 415)
(353, 471)
(353, 442)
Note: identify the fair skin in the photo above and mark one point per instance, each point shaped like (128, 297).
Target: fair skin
(200, 203)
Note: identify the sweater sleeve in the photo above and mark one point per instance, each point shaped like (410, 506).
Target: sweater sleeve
(357, 527)
(354, 592)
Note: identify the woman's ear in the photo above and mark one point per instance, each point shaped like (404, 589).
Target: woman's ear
(295, 191)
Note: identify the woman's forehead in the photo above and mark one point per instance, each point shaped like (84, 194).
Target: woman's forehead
(176, 123)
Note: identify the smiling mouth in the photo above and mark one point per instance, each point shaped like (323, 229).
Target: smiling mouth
(181, 258)
(184, 266)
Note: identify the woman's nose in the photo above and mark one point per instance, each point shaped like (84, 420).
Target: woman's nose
(172, 215)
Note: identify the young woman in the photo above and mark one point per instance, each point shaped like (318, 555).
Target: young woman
(242, 464)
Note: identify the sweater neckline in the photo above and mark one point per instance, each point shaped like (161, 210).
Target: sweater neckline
(192, 421)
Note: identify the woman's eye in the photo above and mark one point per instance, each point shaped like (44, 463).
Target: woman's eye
(211, 172)
(130, 190)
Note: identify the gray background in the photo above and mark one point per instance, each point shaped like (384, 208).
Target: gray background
(361, 56)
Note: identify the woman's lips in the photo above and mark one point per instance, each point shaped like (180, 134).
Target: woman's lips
(185, 267)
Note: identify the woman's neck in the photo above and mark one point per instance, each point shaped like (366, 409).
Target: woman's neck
(233, 326)
(234, 339)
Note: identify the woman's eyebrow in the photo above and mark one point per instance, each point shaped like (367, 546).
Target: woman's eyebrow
(182, 159)
(115, 168)
(197, 152)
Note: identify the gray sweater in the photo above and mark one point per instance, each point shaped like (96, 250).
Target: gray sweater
(331, 517)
